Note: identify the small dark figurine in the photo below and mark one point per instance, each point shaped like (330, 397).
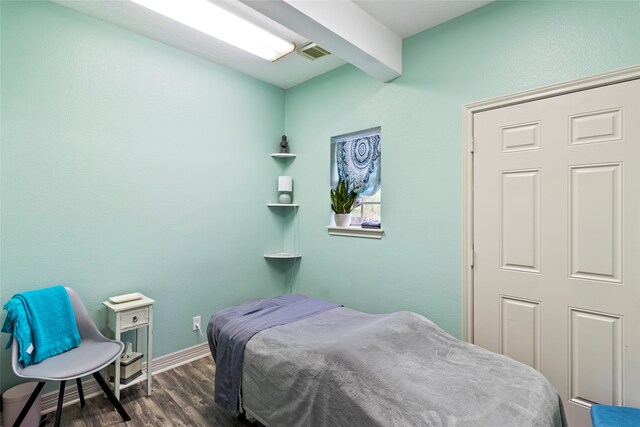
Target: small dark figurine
(284, 145)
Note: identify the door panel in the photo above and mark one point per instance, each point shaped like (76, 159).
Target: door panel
(520, 331)
(520, 220)
(595, 223)
(595, 357)
(557, 241)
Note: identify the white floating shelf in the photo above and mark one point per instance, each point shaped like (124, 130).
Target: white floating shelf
(292, 205)
(282, 255)
(283, 155)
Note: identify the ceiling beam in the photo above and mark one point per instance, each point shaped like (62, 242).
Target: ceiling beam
(342, 28)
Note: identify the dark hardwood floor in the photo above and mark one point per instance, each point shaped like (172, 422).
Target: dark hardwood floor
(180, 397)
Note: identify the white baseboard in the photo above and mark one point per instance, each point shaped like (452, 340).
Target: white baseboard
(91, 387)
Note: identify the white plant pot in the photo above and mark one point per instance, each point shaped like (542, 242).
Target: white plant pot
(342, 220)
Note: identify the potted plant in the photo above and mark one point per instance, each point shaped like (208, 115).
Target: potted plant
(343, 202)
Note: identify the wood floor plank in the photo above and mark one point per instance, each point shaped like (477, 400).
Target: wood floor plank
(181, 397)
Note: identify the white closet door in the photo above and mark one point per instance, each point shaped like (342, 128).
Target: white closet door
(557, 241)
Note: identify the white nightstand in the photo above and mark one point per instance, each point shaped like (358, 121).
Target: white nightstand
(128, 316)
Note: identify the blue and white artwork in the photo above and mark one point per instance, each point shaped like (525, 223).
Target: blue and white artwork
(358, 163)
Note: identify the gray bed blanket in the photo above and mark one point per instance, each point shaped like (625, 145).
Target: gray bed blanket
(347, 368)
(230, 329)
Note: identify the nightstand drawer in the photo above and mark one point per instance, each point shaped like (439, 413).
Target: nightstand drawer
(134, 318)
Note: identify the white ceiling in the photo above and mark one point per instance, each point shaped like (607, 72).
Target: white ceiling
(402, 17)
(409, 17)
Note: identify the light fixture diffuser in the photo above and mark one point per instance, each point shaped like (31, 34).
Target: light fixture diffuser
(223, 25)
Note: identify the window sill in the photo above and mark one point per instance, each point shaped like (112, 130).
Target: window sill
(369, 233)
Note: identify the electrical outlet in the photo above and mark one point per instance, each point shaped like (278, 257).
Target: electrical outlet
(196, 323)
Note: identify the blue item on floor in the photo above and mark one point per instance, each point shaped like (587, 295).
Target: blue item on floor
(614, 416)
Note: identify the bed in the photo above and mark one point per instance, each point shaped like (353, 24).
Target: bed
(341, 367)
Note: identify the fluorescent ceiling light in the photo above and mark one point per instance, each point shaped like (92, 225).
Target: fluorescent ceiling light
(215, 21)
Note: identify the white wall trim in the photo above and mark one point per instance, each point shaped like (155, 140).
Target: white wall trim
(613, 77)
(91, 387)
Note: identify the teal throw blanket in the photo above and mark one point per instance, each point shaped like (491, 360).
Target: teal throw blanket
(42, 322)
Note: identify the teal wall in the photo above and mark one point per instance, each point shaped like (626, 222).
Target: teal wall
(501, 48)
(127, 165)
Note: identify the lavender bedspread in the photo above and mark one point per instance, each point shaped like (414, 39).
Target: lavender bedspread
(230, 329)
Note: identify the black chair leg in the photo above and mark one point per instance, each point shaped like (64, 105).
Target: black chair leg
(80, 392)
(29, 404)
(115, 402)
(60, 399)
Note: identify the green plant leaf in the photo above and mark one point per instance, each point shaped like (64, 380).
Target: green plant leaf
(343, 201)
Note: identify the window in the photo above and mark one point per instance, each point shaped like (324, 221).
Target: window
(355, 158)
(368, 210)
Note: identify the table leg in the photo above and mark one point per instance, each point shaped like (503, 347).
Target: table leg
(116, 377)
(149, 350)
